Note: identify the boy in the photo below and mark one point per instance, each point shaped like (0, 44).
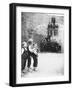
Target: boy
(32, 52)
(24, 56)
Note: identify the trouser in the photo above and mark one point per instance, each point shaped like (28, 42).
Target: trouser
(35, 60)
(23, 63)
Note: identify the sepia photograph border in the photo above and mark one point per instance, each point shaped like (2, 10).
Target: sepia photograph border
(12, 41)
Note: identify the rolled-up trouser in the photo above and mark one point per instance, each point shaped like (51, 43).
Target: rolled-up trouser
(35, 60)
(24, 58)
(23, 63)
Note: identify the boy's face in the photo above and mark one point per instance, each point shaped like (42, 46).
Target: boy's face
(30, 43)
(24, 46)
